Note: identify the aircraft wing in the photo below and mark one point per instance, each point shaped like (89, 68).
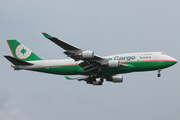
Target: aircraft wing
(71, 51)
(79, 78)
(60, 43)
(89, 80)
(90, 62)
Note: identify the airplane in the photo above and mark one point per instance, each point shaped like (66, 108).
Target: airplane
(92, 67)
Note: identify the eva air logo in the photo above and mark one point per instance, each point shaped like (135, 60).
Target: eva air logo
(22, 52)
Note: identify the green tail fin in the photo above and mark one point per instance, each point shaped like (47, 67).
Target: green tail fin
(21, 52)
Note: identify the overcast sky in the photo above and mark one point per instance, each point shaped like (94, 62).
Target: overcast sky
(107, 27)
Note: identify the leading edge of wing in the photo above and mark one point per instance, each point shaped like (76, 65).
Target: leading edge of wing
(60, 43)
(64, 45)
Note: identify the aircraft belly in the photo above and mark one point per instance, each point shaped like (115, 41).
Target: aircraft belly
(151, 65)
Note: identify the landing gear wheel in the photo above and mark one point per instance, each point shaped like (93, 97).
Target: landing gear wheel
(100, 83)
(159, 75)
(102, 80)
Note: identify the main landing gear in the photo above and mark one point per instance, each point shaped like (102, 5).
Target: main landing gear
(159, 74)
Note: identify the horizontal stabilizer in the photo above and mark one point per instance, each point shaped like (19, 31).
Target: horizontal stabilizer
(16, 61)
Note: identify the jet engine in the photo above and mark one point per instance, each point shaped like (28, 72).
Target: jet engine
(97, 81)
(115, 79)
(113, 63)
(87, 54)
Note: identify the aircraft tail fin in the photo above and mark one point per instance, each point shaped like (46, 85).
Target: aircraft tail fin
(21, 52)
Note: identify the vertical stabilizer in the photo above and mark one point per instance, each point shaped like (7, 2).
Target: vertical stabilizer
(21, 52)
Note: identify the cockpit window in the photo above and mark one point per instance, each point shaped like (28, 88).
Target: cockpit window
(162, 53)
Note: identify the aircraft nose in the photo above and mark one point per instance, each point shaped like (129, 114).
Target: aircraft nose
(173, 60)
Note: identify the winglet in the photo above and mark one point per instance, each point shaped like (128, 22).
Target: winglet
(46, 35)
(68, 78)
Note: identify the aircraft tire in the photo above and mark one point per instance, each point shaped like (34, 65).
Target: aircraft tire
(159, 75)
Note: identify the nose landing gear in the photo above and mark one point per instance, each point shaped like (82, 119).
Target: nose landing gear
(159, 74)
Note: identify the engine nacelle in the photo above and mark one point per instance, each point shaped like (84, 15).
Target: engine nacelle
(116, 79)
(87, 54)
(113, 63)
(97, 82)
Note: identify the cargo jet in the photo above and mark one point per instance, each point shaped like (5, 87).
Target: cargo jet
(92, 67)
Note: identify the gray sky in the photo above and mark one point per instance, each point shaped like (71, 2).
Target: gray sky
(107, 27)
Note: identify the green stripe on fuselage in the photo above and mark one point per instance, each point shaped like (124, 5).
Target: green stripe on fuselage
(60, 70)
(132, 67)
